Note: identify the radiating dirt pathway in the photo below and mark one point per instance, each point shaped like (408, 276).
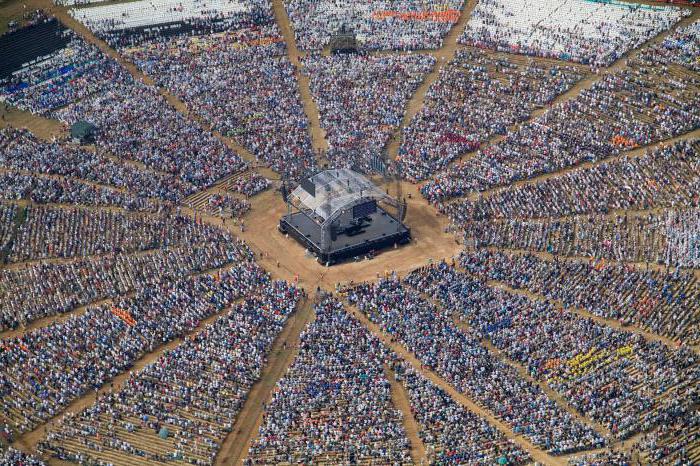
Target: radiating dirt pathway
(399, 397)
(318, 134)
(443, 56)
(284, 350)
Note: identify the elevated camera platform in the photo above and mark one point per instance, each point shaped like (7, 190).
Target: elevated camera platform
(340, 215)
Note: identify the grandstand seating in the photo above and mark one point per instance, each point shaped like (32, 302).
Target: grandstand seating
(30, 44)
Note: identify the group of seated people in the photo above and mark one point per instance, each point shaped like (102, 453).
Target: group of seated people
(595, 32)
(666, 303)
(37, 290)
(615, 377)
(333, 405)
(242, 84)
(361, 101)
(225, 205)
(450, 433)
(664, 177)
(45, 369)
(670, 236)
(248, 184)
(133, 121)
(458, 356)
(633, 107)
(377, 25)
(183, 405)
(58, 232)
(7, 225)
(477, 96)
(24, 152)
(124, 25)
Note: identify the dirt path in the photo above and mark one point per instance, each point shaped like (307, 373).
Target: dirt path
(443, 56)
(44, 128)
(536, 453)
(318, 135)
(400, 399)
(284, 350)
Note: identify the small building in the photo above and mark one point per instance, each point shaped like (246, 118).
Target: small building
(83, 132)
(344, 41)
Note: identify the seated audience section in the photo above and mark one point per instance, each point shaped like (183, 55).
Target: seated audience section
(183, 405)
(377, 25)
(333, 406)
(362, 100)
(476, 97)
(595, 32)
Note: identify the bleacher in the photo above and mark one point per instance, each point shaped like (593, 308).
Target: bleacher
(30, 45)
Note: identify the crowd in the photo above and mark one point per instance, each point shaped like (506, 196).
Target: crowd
(378, 25)
(134, 122)
(666, 303)
(37, 290)
(142, 21)
(361, 100)
(225, 205)
(633, 107)
(334, 405)
(595, 32)
(49, 232)
(670, 237)
(21, 150)
(615, 377)
(681, 47)
(477, 96)
(45, 369)
(243, 85)
(7, 224)
(249, 184)
(181, 406)
(45, 189)
(665, 177)
(458, 356)
(619, 458)
(13, 457)
(450, 433)
(675, 440)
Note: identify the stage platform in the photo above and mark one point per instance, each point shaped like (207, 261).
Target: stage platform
(383, 231)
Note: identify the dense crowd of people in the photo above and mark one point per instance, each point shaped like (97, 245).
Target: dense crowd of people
(243, 85)
(615, 377)
(46, 189)
(249, 184)
(669, 237)
(142, 21)
(377, 25)
(21, 150)
(458, 356)
(362, 100)
(334, 403)
(477, 96)
(226, 206)
(667, 303)
(50, 232)
(681, 47)
(181, 406)
(450, 433)
(591, 32)
(133, 121)
(665, 177)
(13, 457)
(636, 106)
(45, 369)
(7, 225)
(38, 290)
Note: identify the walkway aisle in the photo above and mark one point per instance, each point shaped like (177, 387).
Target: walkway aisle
(234, 449)
(318, 135)
(443, 56)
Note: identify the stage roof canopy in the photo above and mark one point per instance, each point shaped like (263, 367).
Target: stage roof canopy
(332, 191)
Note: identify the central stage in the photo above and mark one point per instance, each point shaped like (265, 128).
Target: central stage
(338, 216)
